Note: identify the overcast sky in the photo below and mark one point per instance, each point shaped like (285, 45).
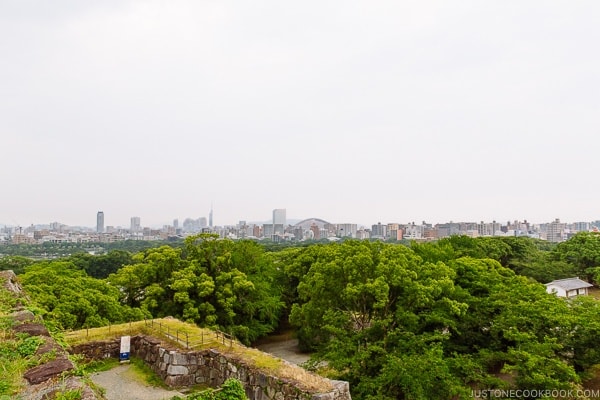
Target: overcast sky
(351, 111)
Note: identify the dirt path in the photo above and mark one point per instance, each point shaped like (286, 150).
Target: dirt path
(122, 384)
(285, 348)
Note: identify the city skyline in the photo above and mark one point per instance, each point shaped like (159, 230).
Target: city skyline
(386, 111)
(278, 230)
(135, 223)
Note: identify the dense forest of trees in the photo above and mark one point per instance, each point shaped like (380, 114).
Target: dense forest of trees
(53, 250)
(429, 320)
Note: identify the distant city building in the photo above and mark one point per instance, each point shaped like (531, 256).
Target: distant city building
(555, 231)
(190, 225)
(136, 224)
(20, 238)
(346, 230)
(488, 229)
(210, 217)
(379, 231)
(56, 226)
(279, 216)
(176, 223)
(243, 229)
(581, 227)
(38, 235)
(314, 228)
(429, 233)
(447, 229)
(329, 230)
(363, 234)
(412, 231)
(324, 233)
(100, 222)
(394, 231)
(267, 230)
(298, 233)
(278, 229)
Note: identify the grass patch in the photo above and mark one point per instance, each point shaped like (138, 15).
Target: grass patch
(16, 357)
(72, 394)
(103, 333)
(7, 299)
(100, 365)
(142, 373)
(15, 351)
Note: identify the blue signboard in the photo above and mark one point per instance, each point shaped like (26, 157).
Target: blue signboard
(125, 348)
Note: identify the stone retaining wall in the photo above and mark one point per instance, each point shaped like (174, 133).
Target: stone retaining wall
(210, 367)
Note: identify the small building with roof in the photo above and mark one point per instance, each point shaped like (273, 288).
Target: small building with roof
(569, 287)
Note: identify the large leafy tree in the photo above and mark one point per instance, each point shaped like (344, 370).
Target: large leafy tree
(362, 301)
(582, 251)
(72, 299)
(217, 283)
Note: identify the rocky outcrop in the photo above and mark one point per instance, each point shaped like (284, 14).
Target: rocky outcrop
(51, 369)
(49, 346)
(23, 316)
(42, 379)
(32, 329)
(50, 389)
(10, 282)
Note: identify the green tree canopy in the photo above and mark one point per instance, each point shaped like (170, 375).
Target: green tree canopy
(74, 300)
(212, 282)
(434, 320)
(582, 251)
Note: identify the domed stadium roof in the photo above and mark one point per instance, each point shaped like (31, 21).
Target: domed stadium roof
(307, 223)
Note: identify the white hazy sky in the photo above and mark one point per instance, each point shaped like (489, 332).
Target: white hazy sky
(351, 111)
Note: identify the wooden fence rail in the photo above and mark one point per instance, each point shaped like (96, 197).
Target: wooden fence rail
(190, 340)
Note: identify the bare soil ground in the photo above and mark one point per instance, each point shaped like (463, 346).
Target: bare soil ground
(283, 346)
(122, 384)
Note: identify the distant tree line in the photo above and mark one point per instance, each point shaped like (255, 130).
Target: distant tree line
(54, 250)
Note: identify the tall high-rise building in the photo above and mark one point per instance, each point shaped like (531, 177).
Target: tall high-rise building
(379, 231)
(175, 223)
(100, 222)
(346, 230)
(279, 216)
(556, 231)
(210, 217)
(136, 224)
